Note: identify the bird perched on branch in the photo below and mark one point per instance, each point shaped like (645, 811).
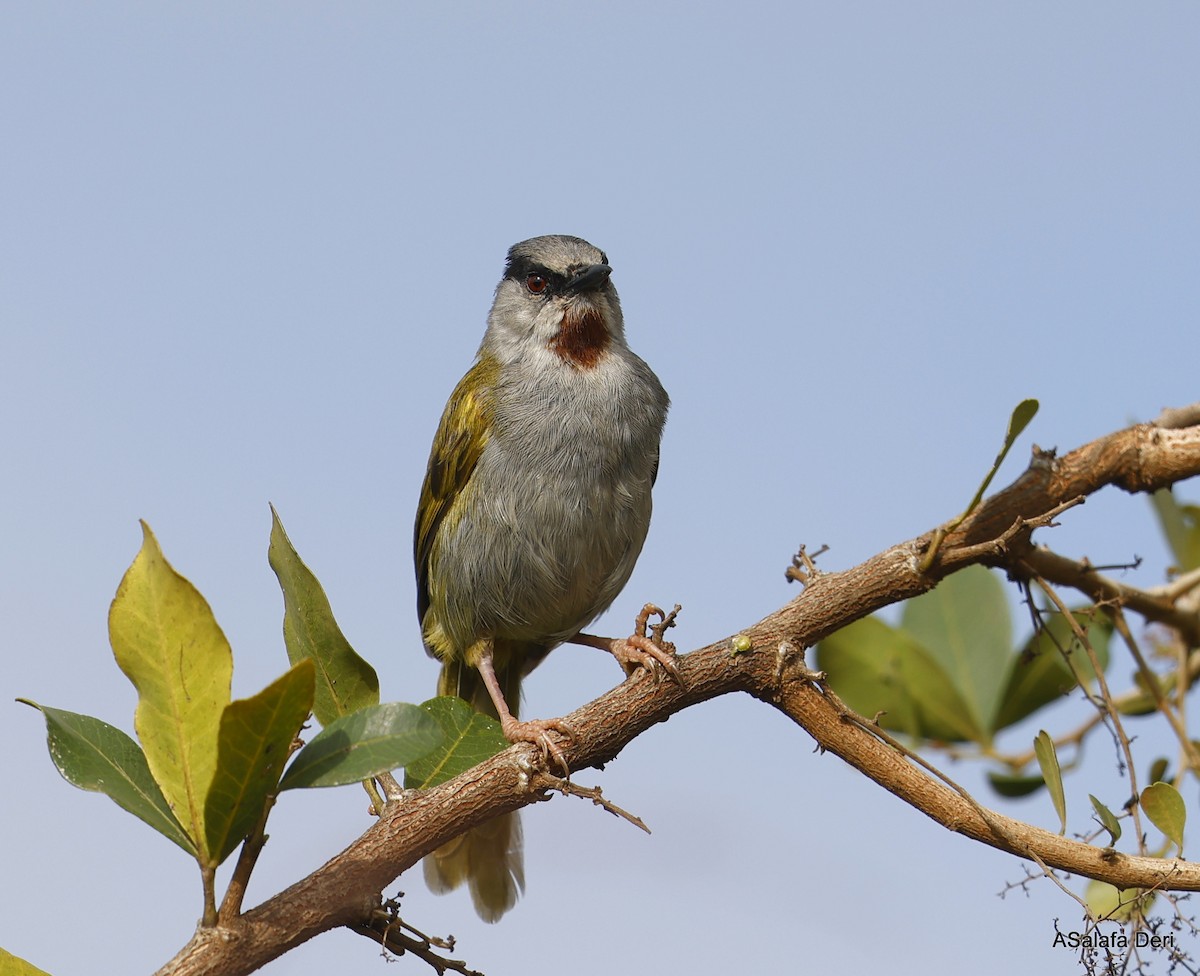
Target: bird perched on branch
(533, 512)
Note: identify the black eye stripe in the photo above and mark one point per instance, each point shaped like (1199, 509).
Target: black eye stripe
(522, 271)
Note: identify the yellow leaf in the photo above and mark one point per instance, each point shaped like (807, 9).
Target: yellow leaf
(1047, 757)
(170, 646)
(1164, 806)
(11, 965)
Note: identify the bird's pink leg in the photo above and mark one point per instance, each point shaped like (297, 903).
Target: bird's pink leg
(533, 730)
(636, 650)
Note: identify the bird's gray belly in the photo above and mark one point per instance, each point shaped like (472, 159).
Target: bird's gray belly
(548, 541)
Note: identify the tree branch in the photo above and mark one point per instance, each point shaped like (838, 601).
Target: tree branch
(1157, 607)
(346, 890)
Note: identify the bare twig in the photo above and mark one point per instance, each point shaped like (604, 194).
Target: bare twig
(386, 927)
(1158, 606)
(1154, 685)
(665, 623)
(1174, 418)
(1075, 737)
(804, 565)
(549, 781)
(1181, 586)
(252, 847)
(1048, 872)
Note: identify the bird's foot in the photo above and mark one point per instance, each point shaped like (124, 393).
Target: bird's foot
(641, 649)
(537, 731)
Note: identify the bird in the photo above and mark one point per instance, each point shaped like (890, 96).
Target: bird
(534, 509)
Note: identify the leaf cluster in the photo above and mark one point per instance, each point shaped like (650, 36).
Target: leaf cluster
(205, 769)
(950, 673)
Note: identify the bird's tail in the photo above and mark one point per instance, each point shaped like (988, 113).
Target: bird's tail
(489, 857)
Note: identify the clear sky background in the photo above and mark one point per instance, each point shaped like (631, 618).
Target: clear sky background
(246, 250)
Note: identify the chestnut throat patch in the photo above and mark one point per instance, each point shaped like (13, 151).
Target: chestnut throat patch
(582, 338)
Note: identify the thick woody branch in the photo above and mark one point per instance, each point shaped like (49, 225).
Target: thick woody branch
(346, 890)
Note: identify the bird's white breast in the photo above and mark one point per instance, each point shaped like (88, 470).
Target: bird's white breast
(560, 499)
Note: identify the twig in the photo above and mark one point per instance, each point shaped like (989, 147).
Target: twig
(548, 781)
(1181, 585)
(388, 929)
(231, 904)
(1174, 418)
(1159, 606)
(1151, 680)
(665, 623)
(1106, 698)
(1075, 737)
(1049, 872)
(996, 549)
(804, 565)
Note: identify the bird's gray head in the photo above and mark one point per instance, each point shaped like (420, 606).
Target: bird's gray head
(555, 297)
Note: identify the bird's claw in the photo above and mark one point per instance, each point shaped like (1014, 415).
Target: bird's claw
(637, 650)
(538, 731)
(644, 648)
(641, 650)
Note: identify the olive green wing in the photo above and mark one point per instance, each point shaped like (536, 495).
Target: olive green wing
(457, 446)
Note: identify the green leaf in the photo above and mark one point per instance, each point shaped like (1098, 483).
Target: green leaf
(966, 628)
(1022, 414)
(345, 682)
(1039, 674)
(1015, 786)
(255, 738)
(168, 643)
(1180, 525)
(1164, 806)
(469, 739)
(1047, 757)
(94, 755)
(1116, 905)
(11, 965)
(1158, 770)
(877, 668)
(371, 741)
(1107, 820)
(1143, 704)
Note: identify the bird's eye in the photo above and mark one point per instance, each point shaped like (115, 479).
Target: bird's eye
(536, 283)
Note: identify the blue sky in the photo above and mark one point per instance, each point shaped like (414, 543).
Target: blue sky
(246, 250)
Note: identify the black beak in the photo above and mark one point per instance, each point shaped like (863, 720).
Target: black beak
(592, 278)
